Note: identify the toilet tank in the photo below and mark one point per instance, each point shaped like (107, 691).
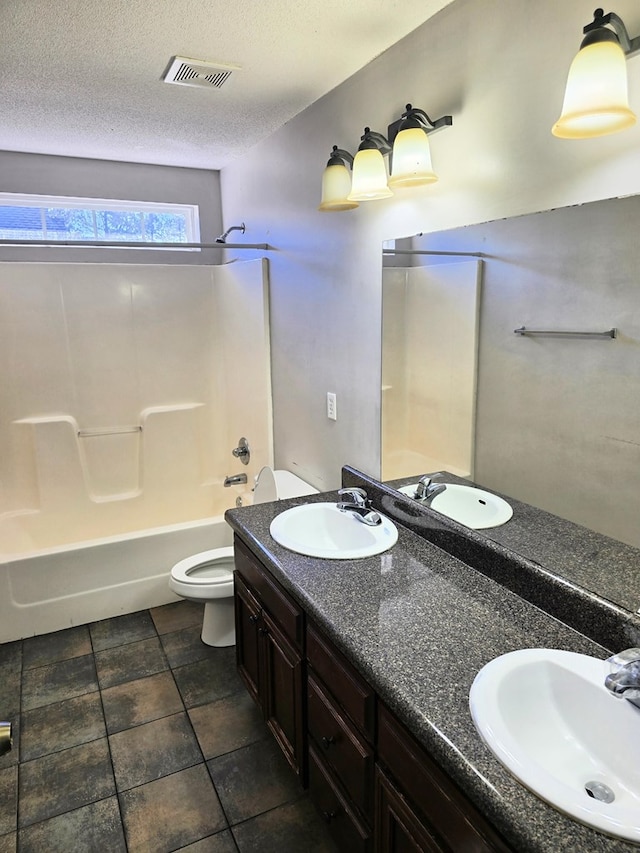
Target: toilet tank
(276, 485)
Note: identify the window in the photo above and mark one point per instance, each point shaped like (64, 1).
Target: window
(52, 218)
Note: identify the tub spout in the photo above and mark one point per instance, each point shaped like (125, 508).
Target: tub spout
(235, 480)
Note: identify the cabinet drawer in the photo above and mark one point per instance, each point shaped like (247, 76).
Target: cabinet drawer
(456, 822)
(343, 749)
(349, 688)
(350, 835)
(278, 602)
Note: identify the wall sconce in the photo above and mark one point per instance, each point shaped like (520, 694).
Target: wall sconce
(408, 145)
(596, 101)
(336, 182)
(369, 180)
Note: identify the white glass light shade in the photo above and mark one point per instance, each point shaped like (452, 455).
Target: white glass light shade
(411, 161)
(336, 185)
(369, 176)
(596, 101)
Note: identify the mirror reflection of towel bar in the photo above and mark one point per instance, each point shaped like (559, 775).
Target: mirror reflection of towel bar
(90, 433)
(610, 333)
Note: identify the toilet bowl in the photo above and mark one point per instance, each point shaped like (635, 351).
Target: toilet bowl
(208, 576)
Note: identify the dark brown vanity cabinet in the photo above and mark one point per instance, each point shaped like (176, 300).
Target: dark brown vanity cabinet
(418, 808)
(341, 725)
(373, 783)
(269, 652)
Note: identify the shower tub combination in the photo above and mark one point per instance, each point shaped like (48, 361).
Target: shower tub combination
(120, 409)
(49, 589)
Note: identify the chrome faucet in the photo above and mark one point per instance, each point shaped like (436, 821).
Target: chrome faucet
(235, 480)
(624, 679)
(427, 489)
(359, 505)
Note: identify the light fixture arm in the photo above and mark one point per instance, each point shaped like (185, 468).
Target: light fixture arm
(630, 46)
(414, 117)
(372, 139)
(339, 156)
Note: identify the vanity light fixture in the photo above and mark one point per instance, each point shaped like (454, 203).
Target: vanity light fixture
(369, 180)
(336, 182)
(411, 158)
(596, 101)
(408, 146)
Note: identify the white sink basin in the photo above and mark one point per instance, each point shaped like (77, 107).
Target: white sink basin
(322, 530)
(468, 505)
(548, 718)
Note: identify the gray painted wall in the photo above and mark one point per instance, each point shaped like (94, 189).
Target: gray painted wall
(69, 176)
(500, 69)
(558, 419)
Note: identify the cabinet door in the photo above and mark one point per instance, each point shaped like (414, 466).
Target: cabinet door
(270, 594)
(349, 833)
(248, 621)
(442, 807)
(398, 829)
(282, 692)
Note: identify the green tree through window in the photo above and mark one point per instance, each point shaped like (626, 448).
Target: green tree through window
(71, 219)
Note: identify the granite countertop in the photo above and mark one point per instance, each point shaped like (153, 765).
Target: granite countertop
(419, 624)
(593, 560)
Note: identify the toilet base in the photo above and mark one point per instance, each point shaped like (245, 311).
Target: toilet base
(218, 623)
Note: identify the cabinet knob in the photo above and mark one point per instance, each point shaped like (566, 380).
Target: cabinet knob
(327, 741)
(329, 816)
(254, 618)
(263, 630)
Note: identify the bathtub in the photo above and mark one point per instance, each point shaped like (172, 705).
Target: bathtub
(54, 588)
(50, 588)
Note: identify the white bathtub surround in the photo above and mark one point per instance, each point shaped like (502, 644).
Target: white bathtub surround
(124, 389)
(429, 368)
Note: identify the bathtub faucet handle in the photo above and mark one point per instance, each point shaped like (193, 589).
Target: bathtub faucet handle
(242, 451)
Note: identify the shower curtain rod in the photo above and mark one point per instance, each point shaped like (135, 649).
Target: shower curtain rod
(427, 252)
(122, 244)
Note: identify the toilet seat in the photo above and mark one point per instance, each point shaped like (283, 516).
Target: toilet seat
(207, 577)
(203, 576)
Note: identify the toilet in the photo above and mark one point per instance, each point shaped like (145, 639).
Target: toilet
(208, 576)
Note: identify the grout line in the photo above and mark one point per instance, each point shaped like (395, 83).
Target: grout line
(118, 794)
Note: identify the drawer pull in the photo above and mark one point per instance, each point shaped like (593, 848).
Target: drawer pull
(327, 741)
(329, 816)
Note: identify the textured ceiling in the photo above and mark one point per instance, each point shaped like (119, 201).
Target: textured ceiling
(82, 79)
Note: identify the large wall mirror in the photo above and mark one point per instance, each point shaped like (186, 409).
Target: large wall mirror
(557, 417)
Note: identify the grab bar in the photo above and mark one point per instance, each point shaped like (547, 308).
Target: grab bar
(90, 433)
(610, 333)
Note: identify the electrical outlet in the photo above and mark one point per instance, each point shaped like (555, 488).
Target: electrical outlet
(332, 411)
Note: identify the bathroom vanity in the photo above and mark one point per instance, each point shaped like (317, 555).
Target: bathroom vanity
(363, 670)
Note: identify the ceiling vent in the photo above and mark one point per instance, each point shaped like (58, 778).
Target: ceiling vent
(198, 73)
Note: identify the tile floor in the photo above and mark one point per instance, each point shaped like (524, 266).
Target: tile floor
(131, 735)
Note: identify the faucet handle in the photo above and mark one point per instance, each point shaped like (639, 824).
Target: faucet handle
(358, 496)
(423, 484)
(623, 658)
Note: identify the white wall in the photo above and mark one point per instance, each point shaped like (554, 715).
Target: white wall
(499, 68)
(70, 176)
